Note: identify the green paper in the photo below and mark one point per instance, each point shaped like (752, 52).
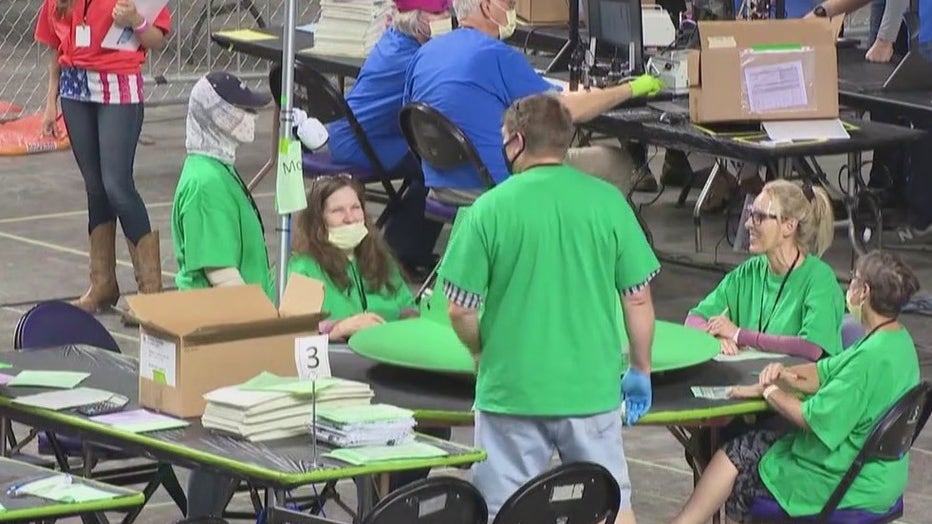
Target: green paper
(159, 377)
(246, 35)
(363, 414)
(2, 509)
(289, 183)
(266, 381)
(429, 343)
(48, 379)
(372, 454)
(4, 365)
(60, 489)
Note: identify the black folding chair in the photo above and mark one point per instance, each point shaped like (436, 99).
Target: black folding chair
(891, 438)
(436, 500)
(575, 493)
(322, 100)
(436, 140)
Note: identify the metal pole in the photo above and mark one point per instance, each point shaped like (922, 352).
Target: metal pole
(286, 118)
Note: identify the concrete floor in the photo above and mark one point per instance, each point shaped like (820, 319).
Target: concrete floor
(43, 242)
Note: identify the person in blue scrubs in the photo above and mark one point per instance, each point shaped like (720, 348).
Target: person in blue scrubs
(472, 76)
(375, 100)
(918, 186)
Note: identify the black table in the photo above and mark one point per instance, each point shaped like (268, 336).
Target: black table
(277, 465)
(860, 85)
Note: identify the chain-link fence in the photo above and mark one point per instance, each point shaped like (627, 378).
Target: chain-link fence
(170, 72)
(188, 53)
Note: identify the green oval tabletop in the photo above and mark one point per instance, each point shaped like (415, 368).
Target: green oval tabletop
(430, 345)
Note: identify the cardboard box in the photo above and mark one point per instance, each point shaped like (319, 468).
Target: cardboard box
(544, 11)
(192, 342)
(763, 70)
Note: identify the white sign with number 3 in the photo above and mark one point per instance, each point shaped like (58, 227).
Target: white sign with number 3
(312, 357)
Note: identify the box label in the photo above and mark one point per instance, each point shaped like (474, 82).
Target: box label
(776, 87)
(157, 360)
(722, 42)
(312, 357)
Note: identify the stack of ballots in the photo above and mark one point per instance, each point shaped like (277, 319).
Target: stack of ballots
(362, 426)
(350, 27)
(269, 407)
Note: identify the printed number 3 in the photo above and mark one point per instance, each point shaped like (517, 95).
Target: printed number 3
(312, 360)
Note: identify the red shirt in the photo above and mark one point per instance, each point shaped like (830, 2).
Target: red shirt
(59, 34)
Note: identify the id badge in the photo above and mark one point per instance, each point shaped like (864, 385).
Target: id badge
(82, 36)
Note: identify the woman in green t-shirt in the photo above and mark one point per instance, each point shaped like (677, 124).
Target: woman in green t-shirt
(785, 299)
(334, 243)
(845, 396)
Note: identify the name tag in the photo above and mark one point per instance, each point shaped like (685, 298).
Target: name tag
(82, 36)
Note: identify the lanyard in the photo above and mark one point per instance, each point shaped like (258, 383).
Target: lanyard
(87, 4)
(248, 195)
(761, 326)
(360, 287)
(877, 327)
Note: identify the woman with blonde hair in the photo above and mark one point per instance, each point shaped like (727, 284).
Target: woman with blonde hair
(785, 299)
(335, 244)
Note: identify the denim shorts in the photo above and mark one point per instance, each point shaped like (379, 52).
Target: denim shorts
(520, 448)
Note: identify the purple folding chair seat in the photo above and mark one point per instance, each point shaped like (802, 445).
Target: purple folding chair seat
(316, 164)
(767, 510)
(437, 210)
(57, 323)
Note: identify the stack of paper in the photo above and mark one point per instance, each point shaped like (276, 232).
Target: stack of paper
(270, 407)
(350, 27)
(360, 426)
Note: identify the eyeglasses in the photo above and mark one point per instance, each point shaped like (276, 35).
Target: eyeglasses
(757, 216)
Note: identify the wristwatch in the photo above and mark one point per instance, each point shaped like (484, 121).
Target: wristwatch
(820, 11)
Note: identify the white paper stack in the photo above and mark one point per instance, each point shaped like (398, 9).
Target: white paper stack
(359, 426)
(350, 27)
(269, 415)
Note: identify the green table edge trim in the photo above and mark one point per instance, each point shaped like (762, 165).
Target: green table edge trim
(289, 479)
(62, 510)
(665, 418)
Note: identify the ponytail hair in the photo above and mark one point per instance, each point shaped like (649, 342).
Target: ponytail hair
(811, 207)
(63, 7)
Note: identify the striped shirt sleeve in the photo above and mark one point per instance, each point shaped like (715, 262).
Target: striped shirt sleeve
(461, 297)
(640, 287)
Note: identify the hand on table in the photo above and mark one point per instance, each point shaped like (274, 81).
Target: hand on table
(728, 346)
(722, 327)
(645, 85)
(881, 52)
(755, 391)
(125, 14)
(637, 394)
(347, 327)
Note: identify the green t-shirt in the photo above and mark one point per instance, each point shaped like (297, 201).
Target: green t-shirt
(343, 303)
(214, 225)
(549, 250)
(811, 305)
(858, 386)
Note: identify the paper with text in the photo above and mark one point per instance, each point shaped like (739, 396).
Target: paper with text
(312, 357)
(290, 194)
(748, 354)
(157, 360)
(711, 392)
(776, 87)
(124, 38)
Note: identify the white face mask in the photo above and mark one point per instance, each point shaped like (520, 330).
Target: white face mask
(440, 27)
(505, 31)
(854, 309)
(245, 131)
(347, 237)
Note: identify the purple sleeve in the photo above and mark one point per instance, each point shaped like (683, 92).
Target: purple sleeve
(796, 346)
(696, 321)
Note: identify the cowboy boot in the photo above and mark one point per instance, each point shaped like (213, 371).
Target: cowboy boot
(147, 262)
(104, 290)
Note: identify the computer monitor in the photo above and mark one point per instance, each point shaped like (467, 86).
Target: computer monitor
(617, 23)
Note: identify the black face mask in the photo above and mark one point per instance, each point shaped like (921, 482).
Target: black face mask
(510, 162)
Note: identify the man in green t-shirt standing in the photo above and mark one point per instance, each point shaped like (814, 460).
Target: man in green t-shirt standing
(550, 254)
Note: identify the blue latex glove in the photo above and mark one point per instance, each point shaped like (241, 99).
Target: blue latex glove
(636, 394)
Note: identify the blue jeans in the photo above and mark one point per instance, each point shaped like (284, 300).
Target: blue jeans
(103, 141)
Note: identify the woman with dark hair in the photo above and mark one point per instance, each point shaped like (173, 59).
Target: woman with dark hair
(832, 405)
(335, 244)
(102, 102)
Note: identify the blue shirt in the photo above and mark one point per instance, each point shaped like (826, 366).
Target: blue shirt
(925, 21)
(471, 78)
(376, 101)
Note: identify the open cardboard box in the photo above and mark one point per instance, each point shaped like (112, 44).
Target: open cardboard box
(192, 342)
(764, 70)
